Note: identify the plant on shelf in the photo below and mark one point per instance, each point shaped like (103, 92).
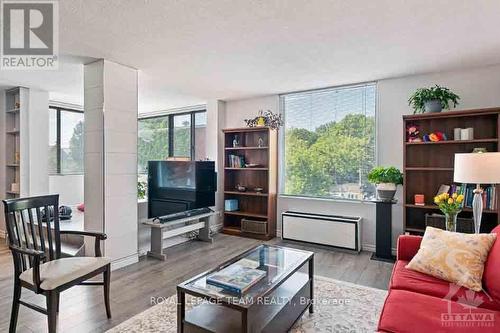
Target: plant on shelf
(387, 179)
(450, 205)
(141, 190)
(268, 118)
(432, 99)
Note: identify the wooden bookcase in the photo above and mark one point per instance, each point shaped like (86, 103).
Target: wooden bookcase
(252, 205)
(427, 165)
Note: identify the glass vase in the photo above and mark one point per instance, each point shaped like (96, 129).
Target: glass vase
(451, 221)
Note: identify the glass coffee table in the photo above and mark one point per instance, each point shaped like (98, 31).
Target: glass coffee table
(273, 304)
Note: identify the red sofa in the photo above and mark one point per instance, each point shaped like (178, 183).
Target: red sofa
(421, 303)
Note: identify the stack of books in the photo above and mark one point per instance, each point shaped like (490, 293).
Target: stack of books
(467, 190)
(236, 278)
(236, 161)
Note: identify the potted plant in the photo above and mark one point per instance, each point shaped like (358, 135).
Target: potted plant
(432, 99)
(387, 179)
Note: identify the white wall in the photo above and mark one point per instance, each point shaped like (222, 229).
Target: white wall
(69, 188)
(478, 88)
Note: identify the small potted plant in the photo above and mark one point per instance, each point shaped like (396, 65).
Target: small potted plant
(433, 99)
(387, 179)
(450, 205)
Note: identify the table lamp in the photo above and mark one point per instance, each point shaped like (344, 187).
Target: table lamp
(477, 168)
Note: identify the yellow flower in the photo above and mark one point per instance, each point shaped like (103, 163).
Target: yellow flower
(455, 195)
(450, 201)
(445, 196)
(460, 198)
(437, 201)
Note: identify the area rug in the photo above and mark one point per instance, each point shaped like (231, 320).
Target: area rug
(339, 307)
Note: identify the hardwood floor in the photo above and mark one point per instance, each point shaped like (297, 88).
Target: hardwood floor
(82, 308)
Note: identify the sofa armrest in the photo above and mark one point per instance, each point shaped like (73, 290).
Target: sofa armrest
(408, 246)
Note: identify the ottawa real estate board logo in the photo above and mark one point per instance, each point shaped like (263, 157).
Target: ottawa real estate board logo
(30, 36)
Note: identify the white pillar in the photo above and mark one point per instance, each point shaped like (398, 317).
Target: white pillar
(34, 136)
(111, 157)
(216, 114)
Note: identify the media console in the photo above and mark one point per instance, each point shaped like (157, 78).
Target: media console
(175, 227)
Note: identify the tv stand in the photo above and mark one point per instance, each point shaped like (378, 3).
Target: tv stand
(176, 227)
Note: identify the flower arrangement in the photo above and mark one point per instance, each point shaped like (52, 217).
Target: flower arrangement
(450, 205)
(268, 118)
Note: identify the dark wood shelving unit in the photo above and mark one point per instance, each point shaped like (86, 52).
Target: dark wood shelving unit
(256, 194)
(260, 207)
(427, 165)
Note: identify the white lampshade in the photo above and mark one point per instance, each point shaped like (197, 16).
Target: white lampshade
(477, 168)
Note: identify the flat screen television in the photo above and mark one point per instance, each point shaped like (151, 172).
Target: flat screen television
(177, 186)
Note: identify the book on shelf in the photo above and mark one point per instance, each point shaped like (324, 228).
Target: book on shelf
(236, 278)
(236, 161)
(467, 190)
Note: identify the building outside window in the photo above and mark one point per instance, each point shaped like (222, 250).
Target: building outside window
(329, 142)
(66, 140)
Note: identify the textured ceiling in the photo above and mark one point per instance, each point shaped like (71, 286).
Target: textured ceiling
(190, 51)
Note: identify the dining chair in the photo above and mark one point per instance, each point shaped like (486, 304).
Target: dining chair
(35, 241)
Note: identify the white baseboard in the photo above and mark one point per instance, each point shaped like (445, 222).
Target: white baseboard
(122, 262)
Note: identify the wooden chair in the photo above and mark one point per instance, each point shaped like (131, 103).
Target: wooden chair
(34, 239)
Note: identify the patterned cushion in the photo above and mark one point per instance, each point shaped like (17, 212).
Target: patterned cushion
(453, 256)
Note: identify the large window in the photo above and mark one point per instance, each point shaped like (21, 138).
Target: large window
(329, 142)
(66, 138)
(177, 135)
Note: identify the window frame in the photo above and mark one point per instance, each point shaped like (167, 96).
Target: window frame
(59, 110)
(281, 144)
(170, 128)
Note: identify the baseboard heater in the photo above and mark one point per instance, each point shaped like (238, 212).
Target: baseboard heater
(331, 230)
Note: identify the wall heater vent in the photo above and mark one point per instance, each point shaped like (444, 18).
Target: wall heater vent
(331, 230)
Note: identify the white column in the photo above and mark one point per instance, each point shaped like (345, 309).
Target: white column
(34, 137)
(111, 157)
(216, 113)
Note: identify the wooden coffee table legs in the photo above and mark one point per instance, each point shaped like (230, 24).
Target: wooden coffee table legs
(181, 310)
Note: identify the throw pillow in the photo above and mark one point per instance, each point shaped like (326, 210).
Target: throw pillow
(453, 256)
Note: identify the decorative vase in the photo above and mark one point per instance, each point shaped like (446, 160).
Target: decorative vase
(433, 105)
(451, 221)
(386, 191)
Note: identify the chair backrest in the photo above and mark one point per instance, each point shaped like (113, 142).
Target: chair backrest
(33, 223)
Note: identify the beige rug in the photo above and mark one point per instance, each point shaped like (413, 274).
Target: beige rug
(339, 307)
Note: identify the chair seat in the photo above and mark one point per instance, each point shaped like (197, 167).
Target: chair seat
(58, 272)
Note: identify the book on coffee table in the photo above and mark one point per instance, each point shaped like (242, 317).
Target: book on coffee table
(236, 278)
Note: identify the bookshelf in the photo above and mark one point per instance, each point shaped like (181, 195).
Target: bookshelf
(427, 165)
(12, 123)
(256, 146)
